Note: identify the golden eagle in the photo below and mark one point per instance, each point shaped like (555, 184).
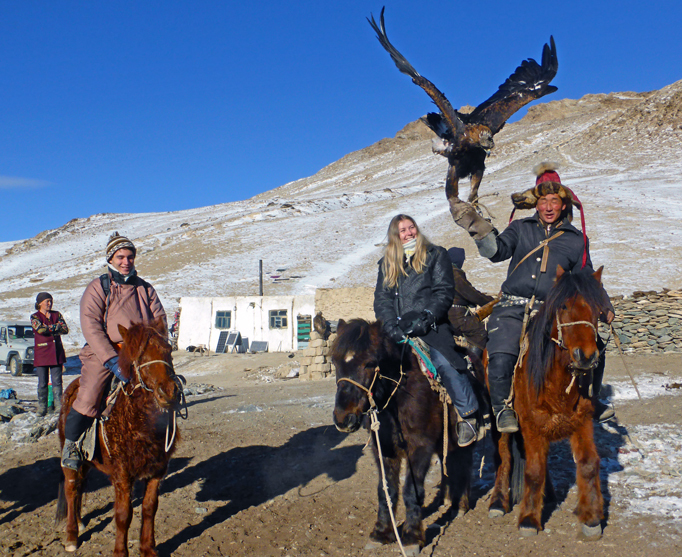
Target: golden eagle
(465, 138)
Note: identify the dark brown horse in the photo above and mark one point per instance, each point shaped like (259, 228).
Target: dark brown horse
(553, 400)
(135, 442)
(369, 366)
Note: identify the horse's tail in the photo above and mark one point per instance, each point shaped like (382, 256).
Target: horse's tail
(60, 515)
(518, 470)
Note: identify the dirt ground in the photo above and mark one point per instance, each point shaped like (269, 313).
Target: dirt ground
(261, 470)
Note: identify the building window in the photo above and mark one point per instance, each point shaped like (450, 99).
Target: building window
(223, 319)
(278, 319)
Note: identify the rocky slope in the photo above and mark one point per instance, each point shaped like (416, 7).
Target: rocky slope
(619, 152)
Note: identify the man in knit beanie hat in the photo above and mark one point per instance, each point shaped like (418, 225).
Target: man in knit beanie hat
(118, 297)
(117, 242)
(536, 245)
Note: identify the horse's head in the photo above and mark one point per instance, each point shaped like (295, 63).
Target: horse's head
(568, 322)
(577, 319)
(146, 358)
(356, 357)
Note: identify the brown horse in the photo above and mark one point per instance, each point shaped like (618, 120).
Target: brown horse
(372, 371)
(135, 442)
(553, 400)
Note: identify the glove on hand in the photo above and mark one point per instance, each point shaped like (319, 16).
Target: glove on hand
(417, 325)
(405, 321)
(112, 366)
(396, 335)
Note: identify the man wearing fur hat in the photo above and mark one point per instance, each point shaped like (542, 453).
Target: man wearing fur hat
(530, 276)
(118, 297)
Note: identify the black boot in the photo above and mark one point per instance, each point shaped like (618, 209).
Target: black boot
(42, 401)
(602, 411)
(57, 394)
(500, 374)
(74, 426)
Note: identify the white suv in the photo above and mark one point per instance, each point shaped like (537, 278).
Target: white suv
(16, 346)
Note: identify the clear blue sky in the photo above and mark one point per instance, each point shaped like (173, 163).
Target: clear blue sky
(161, 105)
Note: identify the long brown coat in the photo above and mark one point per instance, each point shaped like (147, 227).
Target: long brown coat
(128, 303)
(49, 350)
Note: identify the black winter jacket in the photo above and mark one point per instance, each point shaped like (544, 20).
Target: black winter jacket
(524, 235)
(432, 289)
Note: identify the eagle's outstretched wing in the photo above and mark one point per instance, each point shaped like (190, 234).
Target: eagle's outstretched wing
(449, 113)
(529, 81)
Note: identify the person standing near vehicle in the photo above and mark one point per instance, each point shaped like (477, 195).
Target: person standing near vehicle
(118, 297)
(49, 355)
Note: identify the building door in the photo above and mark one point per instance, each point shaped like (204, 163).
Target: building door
(303, 324)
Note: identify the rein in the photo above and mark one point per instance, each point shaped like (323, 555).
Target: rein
(182, 411)
(576, 371)
(375, 425)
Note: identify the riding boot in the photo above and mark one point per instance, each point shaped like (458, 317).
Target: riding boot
(57, 394)
(75, 425)
(42, 401)
(478, 352)
(602, 411)
(500, 374)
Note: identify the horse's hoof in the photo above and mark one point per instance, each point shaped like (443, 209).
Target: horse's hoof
(372, 545)
(592, 532)
(528, 531)
(495, 512)
(70, 547)
(412, 550)
(81, 528)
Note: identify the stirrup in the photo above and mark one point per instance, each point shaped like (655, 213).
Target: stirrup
(71, 456)
(506, 420)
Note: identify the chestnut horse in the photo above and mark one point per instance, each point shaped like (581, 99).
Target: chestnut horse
(135, 442)
(373, 373)
(553, 400)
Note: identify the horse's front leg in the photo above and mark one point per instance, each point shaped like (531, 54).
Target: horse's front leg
(123, 513)
(73, 487)
(499, 499)
(530, 516)
(383, 529)
(150, 504)
(590, 508)
(418, 462)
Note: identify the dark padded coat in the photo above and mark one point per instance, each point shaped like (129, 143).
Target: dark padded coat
(521, 237)
(433, 290)
(517, 240)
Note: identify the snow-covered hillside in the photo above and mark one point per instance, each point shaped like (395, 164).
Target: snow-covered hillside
(620, 153)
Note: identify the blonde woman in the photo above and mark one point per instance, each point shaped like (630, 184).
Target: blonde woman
(414, 292)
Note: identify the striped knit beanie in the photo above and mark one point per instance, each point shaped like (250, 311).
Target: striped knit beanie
(117, 242)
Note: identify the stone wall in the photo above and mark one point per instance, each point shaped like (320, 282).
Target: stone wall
(345, 303)
(314, 360)
(647, 322)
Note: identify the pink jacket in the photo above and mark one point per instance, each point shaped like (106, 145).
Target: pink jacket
(128, 303)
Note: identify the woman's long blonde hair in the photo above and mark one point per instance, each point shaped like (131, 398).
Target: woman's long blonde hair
(394, 256)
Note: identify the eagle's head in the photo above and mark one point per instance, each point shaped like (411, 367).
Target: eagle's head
(478, 135)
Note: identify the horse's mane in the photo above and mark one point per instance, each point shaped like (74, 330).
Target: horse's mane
(138, 339)
(541, 347)
(354, 337)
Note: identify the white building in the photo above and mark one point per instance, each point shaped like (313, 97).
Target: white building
(278, 320)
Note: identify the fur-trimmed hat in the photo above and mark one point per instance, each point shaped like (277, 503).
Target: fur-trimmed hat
(117, 242)
(547, 181)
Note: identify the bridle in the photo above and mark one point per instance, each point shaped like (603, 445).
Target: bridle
(181, 410)
(576, 371)
(368, 390)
